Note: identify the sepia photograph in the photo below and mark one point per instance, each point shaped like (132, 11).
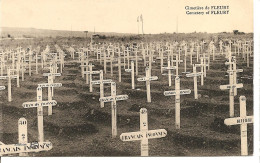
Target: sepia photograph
(126, 78)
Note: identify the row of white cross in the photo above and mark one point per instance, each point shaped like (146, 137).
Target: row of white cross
(23, 147)
(144, 134)
(177, 92)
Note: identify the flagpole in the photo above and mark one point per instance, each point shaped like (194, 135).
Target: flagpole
(142, 26)
(138, 24)
(138, 28)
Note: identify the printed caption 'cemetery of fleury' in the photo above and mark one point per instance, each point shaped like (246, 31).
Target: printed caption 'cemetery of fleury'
(207, 10)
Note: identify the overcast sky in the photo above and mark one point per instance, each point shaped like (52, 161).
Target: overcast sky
(121, 15)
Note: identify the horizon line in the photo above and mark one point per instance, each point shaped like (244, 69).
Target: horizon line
(195, 31)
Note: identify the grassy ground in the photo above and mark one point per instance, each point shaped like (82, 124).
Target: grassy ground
(74, 131)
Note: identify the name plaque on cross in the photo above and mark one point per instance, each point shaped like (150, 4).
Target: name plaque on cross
(24, 148)
(144, 134)
(50, 85)
(37, 104)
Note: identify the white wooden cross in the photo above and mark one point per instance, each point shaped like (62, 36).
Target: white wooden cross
(194, 75)
(235, 70)
(132, 70)
(198, 51)
(50, 86)
(30, 62)
(148, 78)
(83, 67)
(169, 68)
(119, 69)
(231, 87)
(23, 69)
(39, 104)
(111, 62)
(247, 57)
(90, 73)
(101, 82)
(150, 58)
(201, 65)
(185, 60)
(2, 64)
(23, 146)
(144, 134)
(105, 61)
(136, 61)
(243, 120)
(22, 133)
(128, 56)
(177, 92)
(177, 64)
(9, 77)
(113, 98)
(82, 57)
(161, 57)
(191, 57)
(205, 64)
(36, 60)
(1, 113)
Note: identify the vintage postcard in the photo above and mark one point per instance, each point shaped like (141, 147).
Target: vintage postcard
(126, 78)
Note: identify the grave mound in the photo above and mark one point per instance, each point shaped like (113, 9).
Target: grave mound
(105, 118)
(70, 129)
(219, 126)
(135, 108)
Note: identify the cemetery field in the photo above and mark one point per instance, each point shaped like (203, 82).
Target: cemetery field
(78, 125)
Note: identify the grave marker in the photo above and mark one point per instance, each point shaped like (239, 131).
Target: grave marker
(194, 75)
(132, 74)
(144, 134)
(50, 86)
(113, 98)
(243, 120)
(201, 70)
(90, 73)
(177, 92)
(101, 82)
(169, 68)
(148, 78)
(231, 87)
(22, 133)
(9, 77)
(23, 147)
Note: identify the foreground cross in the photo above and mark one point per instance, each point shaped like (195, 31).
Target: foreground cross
(39, 104)
(22, 133)
(144, 134)
(24, 147)
(113, 98)
(243, 120)
(148, 78)
(177, 92)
